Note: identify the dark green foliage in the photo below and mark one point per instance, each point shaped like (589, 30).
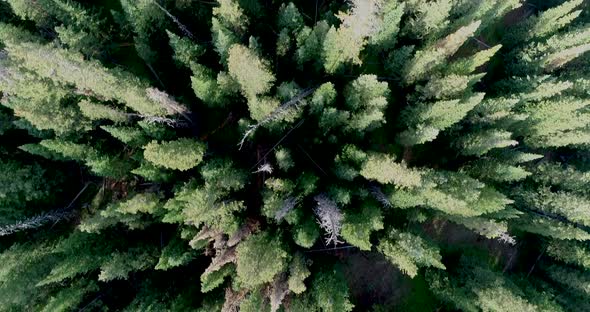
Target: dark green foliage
(314, 156)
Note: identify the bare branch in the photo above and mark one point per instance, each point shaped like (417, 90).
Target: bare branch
(36, 222)
(279, 289)
(247, 229)
(288, 205)
(380, 197)
(264, 168)
(167, 102)
(222, 258)
(330, 218)
(284, 108)
(183, 28)
(42, 219)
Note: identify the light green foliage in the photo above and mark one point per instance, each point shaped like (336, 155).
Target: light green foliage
(120, 264)
(330, 291)
(489, 228)
(344, 44)
(80, 29)
(25, 9)
(358, 225)
(479, 289)
(468, 65)
(223, 36)
(447, 87)
(212, 91)
(130, 212)
(549, 227)
(278, 200)
(198, 205)
(428, 16)
(565, 177)
(298, 272)
(254, 302)
(479, 143)
(250, 71)
(426, 60)
(408, 252)
(185, 51)
(260, 258)
(461, 124)
(284, 159)
(214, 279)
(348, 161)
(551, 20)
(571, 206)
(386, 37)
(100, 164)
(310, 44)
(222, 175)
(79, 253)
(203, 205)
(70, 68)
(41, 102)
(554, 53)
(176, 253)
(152, 172)
(452, 193)
(145, 19)
(254, 77)
(366, 99)
(95, 111)
(570, 252)
(182, 154)
(306, 233)
(384, 169)
(289, 17)
(426, 120)
(129, 135)
(489, 169)
(323, 97)
(558, 122)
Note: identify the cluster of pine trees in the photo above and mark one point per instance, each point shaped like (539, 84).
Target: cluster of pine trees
(237, 155)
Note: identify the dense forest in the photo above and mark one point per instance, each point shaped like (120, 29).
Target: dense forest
(269, 155)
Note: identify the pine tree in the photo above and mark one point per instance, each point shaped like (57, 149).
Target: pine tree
(460, 127)
(182, 154)
(570, 252)
(67, 67)
(21, 186)
(408, 252)
(260, 258)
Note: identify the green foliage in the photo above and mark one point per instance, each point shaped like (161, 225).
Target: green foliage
(70, 297)
(254, 302)
(358, 225)
(570, 252)
(21, 185)
(408, 252)
(298, 272)
(330, 291)
(260, 258)
(182, 154)
(213, 280)
(383, 169)
(459, 126)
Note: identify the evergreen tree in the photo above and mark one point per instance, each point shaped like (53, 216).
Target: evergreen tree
(182, 154)
(444, 139)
